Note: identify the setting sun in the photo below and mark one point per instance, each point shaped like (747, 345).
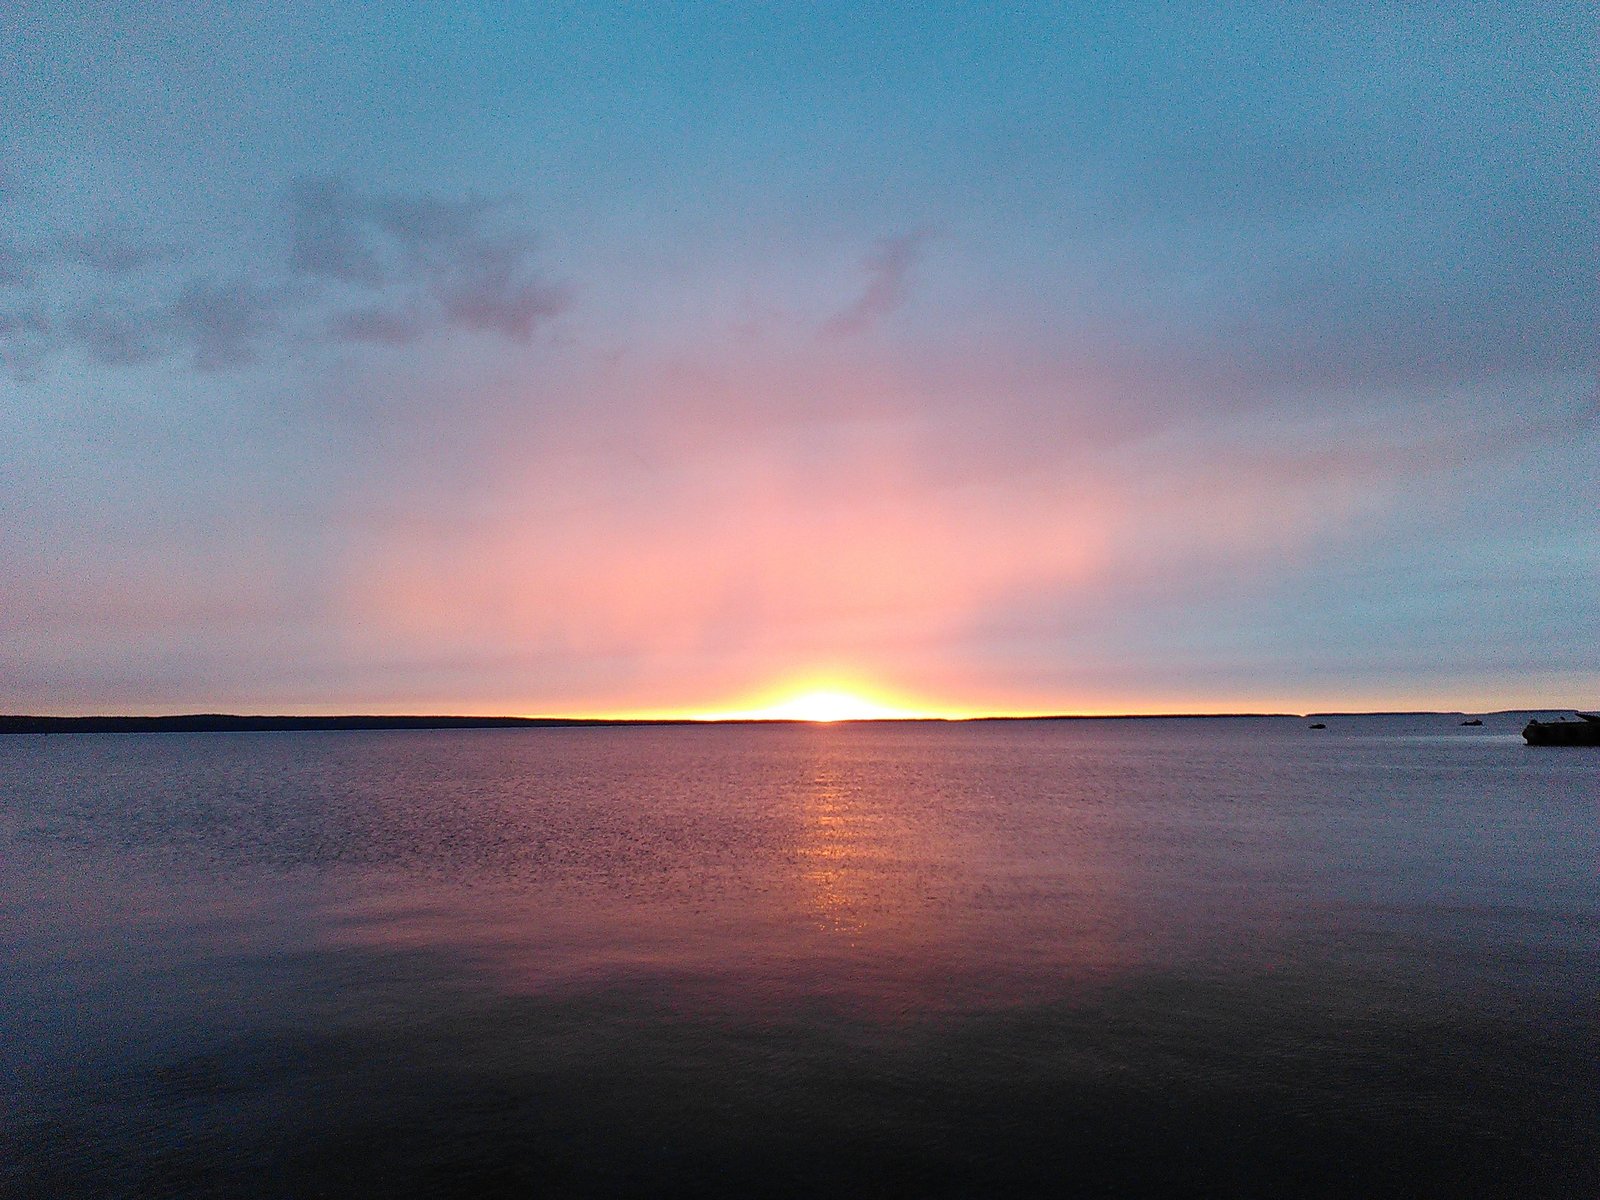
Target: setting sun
(821, 705)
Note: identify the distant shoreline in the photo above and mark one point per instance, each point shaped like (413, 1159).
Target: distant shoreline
(232, 723)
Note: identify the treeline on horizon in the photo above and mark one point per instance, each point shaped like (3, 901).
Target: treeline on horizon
(230, 723)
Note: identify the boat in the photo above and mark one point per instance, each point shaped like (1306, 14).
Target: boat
(1585, 731)
(1474, 721)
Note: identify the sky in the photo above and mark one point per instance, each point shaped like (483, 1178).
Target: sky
(659, 359)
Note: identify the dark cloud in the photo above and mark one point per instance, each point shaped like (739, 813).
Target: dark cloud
(222, 324)
(216, 325)
(328, 233)
(23, 321)
(486, 287)
(428, 222)
(460, 264)
(342, 233)
(363, 268)
(18, 264)
(888, 269)
(117, 334)
(380, 326)
(26, 337)
(114, 252)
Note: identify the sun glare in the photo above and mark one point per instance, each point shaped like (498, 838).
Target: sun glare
(831, 706)
(823, 706)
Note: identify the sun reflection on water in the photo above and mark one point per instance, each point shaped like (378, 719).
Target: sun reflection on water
(831, 851)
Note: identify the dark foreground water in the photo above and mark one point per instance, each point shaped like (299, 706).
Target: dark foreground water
(1222, 958)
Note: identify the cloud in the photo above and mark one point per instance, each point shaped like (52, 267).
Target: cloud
(26, 337)
(118, 335)
(216, 324)
(450, 264)
(18, 264)
(223, 323)
(23, 321)
(328, 238)
(380, 326)
(362, 268)
(116, 252)
(423, 223)
(486, 287)
(888, 269)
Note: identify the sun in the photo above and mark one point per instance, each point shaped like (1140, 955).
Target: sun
(823, 706)
(830, 706)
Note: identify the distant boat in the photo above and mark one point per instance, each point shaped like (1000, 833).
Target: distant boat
(1318, 725)
(1583, 732)
(1474, 721)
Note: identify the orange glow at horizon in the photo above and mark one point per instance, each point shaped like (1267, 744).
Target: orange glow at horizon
(838, 698)
(822, 705)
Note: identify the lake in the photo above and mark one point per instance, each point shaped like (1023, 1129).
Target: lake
(1222, 957)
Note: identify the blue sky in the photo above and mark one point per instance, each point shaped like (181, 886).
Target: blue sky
(600, 359)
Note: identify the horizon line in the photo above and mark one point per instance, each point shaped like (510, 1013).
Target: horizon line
(13, 723)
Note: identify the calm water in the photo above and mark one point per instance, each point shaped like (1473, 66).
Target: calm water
(1155, 958)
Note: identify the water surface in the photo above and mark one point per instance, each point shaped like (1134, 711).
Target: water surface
(1219, 957)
